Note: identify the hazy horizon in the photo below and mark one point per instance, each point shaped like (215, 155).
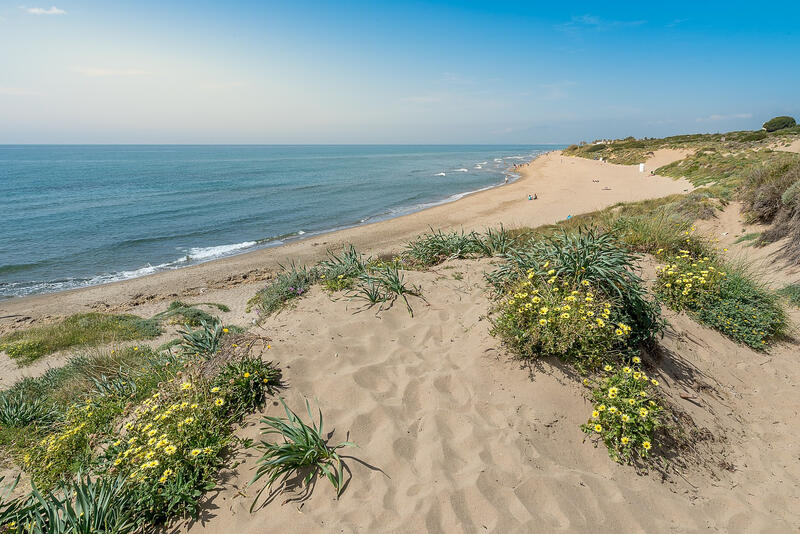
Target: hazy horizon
(87, 72)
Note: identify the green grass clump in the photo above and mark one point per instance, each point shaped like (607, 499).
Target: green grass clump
(748, 237)
(437, 246)
(80, 330)
(339, 271)
(289, 284)
(723, 297)
(792, 293)
(626, 412)
(303, 451)
(385, 285)
(189, 314)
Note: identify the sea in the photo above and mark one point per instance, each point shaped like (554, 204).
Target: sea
(74, 216)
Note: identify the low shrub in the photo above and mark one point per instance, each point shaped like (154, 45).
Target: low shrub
(626, 412)
(597, 258)
(779, 123)
(84, 329)
(595, 148)
(726, 299)
(172, 446)
(303, 451)
(792, 293)
(753, 136)
(549, 315)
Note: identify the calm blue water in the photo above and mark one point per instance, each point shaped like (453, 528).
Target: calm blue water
(81, 215)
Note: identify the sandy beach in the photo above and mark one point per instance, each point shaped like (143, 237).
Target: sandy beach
(564, 186)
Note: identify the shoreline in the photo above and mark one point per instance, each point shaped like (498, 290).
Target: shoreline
(564, 185)
(508, 175)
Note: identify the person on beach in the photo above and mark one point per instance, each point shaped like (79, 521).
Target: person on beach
(506, 180)
(530, 197)
(535, 197)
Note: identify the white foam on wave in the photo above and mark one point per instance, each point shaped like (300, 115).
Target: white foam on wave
(478, 166)
(206, 253)
(461, 170)
(300, 232)
(440, 174)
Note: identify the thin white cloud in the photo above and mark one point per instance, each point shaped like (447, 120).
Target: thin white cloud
(94, 72)
(52, 10)
(592, 22)
(18, 91)
(717, 117)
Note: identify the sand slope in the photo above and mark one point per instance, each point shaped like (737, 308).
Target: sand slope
(468, 440)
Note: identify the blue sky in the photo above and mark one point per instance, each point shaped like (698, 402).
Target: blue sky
(381, 72)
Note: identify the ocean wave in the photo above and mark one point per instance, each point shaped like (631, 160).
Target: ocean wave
(206, 253)
(461, 170)
(440, 174)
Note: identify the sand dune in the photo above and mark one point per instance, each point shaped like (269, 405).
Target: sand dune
(468, 440)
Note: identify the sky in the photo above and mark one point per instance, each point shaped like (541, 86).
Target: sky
(299, 72)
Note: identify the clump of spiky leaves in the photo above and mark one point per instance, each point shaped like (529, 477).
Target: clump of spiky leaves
(497, 241)
(82, 506)
(203, 341)
(83, 329)
(597, 258)
(386, 285)
(304, 450)
(438, 246)
(190, 314)
(338, 271)
(18, 411)
(291, 283)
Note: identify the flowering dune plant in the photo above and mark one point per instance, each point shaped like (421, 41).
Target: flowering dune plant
(626, 412)
(727, 299)
(546, 315)
(173, 444)
(687, 281)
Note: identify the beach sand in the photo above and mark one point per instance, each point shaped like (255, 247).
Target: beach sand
(455, 435)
